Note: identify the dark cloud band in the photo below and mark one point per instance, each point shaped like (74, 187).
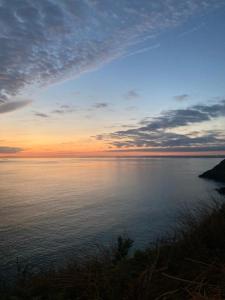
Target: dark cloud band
(9, 150)
(13, 105)
(173, 149)
(158, 133)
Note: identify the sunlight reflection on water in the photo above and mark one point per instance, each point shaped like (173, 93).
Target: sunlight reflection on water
(52, 207)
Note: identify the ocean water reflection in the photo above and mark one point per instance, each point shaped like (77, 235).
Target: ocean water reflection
(50, 208)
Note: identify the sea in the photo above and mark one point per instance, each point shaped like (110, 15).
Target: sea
(54, 209)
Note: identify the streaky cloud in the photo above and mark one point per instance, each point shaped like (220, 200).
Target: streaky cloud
(100, 105)
(13, 105)
(41, 115)
(10, 150)
(143, 50)
(132, 94)
(192, 30)
(182, 97)
(64, 109)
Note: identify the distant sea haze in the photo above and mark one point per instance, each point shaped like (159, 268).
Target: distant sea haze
(50, 208)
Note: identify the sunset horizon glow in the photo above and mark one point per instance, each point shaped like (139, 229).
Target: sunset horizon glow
(107, 79)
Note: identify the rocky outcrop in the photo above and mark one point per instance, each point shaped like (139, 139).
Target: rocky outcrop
(217, 173)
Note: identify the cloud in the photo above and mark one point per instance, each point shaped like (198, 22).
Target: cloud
(64, 109)
(45, 41)
(41, 115)
(131, 95)
(143, 50)
(61, 110)
(58, 111)
(192, 30)
(13, 105)
(182, 117)
(182, 97)
(160, 132)
(131, 108)
(174, 149)
(100, 105)
(167, 139)
(10, 150)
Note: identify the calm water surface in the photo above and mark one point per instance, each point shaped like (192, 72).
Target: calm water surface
(50, 208)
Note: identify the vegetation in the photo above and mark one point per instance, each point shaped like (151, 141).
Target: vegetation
(190, 265)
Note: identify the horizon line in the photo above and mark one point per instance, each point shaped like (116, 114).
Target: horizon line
(121, 156)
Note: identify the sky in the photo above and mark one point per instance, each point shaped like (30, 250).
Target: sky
(112, 77)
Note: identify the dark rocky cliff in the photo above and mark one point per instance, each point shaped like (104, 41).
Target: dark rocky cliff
(217, 173)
